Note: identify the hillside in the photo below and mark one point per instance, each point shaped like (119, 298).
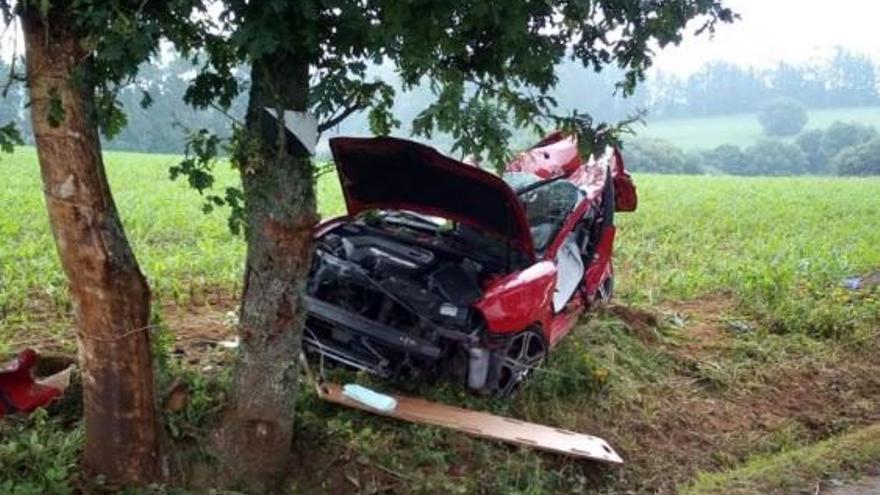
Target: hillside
(743, 129)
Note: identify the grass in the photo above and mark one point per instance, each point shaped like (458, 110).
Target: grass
(737, 340)
(184, 253)
(796, 470)
(743, 129)
(780, 245)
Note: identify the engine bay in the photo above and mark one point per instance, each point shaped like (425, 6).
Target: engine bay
(392, 294)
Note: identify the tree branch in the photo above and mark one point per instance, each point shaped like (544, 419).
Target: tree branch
(334, 121)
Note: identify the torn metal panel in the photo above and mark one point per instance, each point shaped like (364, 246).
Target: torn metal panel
(485, 425)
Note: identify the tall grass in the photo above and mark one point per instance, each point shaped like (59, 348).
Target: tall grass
(782, 245)
(183, 252)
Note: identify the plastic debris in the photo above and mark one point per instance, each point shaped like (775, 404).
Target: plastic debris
(369, 398)
(866, 282)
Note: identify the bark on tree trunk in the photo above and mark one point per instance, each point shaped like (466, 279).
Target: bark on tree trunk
(280, 215)
(110, 295)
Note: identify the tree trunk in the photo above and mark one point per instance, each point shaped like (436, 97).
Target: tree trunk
(280, 215)
(110, 296)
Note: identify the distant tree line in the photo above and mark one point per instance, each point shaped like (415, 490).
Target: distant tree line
(846, 79)
(157, 120)
(160, 122)
(844, 148)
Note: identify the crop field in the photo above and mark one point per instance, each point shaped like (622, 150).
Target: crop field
(732, 352)
(743, 129)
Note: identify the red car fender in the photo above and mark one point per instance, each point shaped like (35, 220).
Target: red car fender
(520, 299)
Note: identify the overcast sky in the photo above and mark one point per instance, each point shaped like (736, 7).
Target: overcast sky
(774, 30)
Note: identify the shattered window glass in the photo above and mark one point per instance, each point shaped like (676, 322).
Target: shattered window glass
(546, 205)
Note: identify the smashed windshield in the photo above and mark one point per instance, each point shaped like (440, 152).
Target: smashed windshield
(546, 205)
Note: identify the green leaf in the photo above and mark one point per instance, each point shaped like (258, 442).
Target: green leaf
(10, 136)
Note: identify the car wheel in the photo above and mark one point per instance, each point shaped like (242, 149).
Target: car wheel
(525, 352)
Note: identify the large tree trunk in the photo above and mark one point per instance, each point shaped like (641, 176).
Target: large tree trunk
(280, 214)
(110, 296)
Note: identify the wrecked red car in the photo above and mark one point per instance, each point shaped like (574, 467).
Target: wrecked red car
(443, 269)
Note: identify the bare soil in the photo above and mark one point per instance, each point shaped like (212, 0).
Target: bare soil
(203, 332)
(684, 425)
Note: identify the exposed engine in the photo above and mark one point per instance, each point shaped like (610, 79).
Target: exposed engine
(392, 300)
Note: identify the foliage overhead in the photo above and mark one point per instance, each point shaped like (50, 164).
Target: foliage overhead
(118, 35)
(490, 65)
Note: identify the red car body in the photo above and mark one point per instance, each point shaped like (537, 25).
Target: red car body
(521, 298)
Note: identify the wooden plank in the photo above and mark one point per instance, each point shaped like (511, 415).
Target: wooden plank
(485, 425)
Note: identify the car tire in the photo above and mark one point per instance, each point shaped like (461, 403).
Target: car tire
(513, 363)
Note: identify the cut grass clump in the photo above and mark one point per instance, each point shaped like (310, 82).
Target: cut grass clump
(795, 470)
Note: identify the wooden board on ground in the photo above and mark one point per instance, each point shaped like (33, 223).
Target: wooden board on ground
(485, 425)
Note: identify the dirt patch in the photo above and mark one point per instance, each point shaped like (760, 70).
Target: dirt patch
(642, 323)
(680, 428)
(704, 322)
(202, 333)
(682, 425)
(319, 467)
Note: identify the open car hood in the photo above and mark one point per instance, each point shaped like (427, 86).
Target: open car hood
(397, 174)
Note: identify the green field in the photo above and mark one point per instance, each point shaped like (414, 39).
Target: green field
(730, 326)
(182, 251)
(743, 129)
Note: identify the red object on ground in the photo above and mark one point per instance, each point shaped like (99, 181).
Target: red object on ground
(19, 390)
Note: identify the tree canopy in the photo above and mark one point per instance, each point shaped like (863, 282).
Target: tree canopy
(489, 65)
